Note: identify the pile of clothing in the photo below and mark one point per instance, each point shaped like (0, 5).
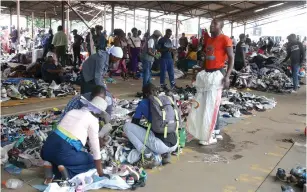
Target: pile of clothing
(30, 88)
(264, 74)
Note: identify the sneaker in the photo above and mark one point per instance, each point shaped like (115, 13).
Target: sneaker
(293, 91)
(54, 86)
(210, 142)
(130, 180)
(123, 171)
(166, 158)
(218, 135)
(133, 173)
(149, 163)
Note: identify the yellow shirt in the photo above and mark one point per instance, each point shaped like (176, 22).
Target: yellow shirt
(192, 55)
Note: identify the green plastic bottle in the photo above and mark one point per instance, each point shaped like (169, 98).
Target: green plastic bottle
(182, 137)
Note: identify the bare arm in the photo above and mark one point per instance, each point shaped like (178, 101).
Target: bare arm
(230, 61)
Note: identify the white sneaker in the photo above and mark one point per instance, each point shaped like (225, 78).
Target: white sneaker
(293, 91)
(210, 142)
(218, 135)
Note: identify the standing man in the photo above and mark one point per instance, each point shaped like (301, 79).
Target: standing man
(241, 50)
(47, 42)
(96, 66)
(149, 56)
(296, 53)
(76, 46)
(100, 39)
(218, 47)
(248, 41)
(134, 47)
(14, 37)
(270, 45)
(60, 43)
(166, 62)
(183, 42)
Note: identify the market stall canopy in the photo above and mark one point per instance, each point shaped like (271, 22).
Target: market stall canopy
(237, 11)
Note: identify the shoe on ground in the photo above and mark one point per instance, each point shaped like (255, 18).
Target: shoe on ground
(130, 180)
(293, 91)
(211, 141)
(218, 135)
(149, 163)
(133, 173)
(166, 158)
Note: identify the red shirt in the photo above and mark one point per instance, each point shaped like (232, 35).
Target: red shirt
(215, 49)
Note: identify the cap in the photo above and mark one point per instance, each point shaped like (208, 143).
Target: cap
(97, 105)
(157, 32)
(75, 30)
(116, 52)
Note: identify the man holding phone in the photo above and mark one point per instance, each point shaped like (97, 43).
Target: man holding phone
(166, 63)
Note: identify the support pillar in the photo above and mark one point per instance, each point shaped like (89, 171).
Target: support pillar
(45, 15)
(27, 18)
(145, 25)
(105, 18)
(11, 20)
(67, 24)
(63, 16)
(125, 23)
(112, 18)
(50, 23)
(176, 34)
(32, 25)
(231, 28)
(244, 28)
(198, 28)
(18, 23)
(134, 18)
(162, 26)
(149, 21)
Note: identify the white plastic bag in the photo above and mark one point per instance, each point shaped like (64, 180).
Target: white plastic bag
(201, 121)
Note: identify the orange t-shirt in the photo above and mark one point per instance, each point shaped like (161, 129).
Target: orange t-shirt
(215, 49)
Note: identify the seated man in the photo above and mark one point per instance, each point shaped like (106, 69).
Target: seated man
(156, 143)
(52, 72)
(63, 147)
(99, 91)
(189, 61)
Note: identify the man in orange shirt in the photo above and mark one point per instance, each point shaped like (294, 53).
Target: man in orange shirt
(218, 48)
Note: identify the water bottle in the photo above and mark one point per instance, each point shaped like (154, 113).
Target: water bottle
(13, 184)
(182, 137)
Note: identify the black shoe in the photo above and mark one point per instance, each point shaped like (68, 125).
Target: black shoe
(166, 158)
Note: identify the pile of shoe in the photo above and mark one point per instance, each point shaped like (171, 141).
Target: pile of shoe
(28, 88)
(297, 176)
(235, 103)
(28, 132)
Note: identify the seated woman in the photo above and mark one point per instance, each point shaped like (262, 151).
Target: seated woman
(189, 61)
(156, 143)
(63, 147)
(52, 72)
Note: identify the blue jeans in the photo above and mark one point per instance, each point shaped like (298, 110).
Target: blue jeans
(167, 65)
(295, 70)
(146, 72)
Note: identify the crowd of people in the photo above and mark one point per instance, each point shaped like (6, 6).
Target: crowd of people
(108, 56)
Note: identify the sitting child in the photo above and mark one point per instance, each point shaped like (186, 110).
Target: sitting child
(189, 61)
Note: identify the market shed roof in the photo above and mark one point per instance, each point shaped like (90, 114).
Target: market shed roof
(238, 11)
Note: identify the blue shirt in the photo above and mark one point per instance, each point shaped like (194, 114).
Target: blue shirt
(165, 43)
(143, 110)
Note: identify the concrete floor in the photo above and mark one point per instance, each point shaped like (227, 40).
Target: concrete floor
(252, 147)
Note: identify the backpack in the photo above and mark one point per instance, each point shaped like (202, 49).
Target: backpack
(165, 117)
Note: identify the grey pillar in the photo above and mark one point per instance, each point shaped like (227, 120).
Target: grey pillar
(244, 28)
(145, 24)
(32, 25)
(198, 35)
(112, 18)
(105, 18)
(162, 26)
(18, 23)
(63, 16)
(50, 23)
(231, 28)
(11, 20)
(149, 21)
(134, 18)
(67, 24)
(27, 20)
(176, 34)
(125, 23)
(45, 15)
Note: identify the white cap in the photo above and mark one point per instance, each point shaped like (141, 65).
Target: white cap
(116, 52)
(97, 105)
